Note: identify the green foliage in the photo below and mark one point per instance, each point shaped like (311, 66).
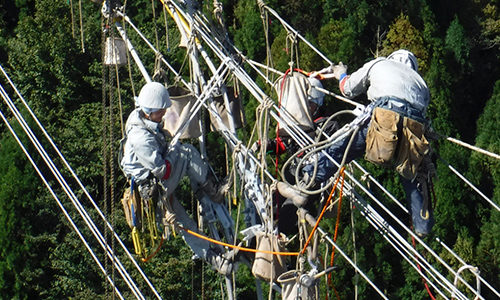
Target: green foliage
(245, 36)
(41, 257)
(488, 135)
(456, 41)
(485, 171)
(403, 35)
(491, 24)
(337, 40)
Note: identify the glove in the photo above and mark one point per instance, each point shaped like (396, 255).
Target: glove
(325, 73)
(168, 169)
(339, 71)
(255, 146)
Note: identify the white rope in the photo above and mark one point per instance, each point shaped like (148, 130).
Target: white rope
(471, 185)
(474, 271)
(464, 263)
(464, 144)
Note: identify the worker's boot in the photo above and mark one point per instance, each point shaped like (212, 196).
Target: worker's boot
(290, 192)
(222, 263)
(216, 189)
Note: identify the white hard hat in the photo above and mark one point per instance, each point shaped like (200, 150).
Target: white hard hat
(153, 96)
(405, 57)
(313, 94)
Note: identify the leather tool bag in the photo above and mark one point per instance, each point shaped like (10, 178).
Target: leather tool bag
(412, 148)
(392, 137)
(382, 137)
(132, 207)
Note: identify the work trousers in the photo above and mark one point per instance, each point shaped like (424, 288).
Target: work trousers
(186, 160)
(326, 169)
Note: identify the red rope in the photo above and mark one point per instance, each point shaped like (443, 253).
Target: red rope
(154, 253)
(420, 269)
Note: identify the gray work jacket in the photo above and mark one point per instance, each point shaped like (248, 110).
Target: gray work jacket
(144, 149)
(382, 78)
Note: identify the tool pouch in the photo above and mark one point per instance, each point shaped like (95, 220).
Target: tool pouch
(382, 136)
(268, 266)
(132, 208)
(413, 146)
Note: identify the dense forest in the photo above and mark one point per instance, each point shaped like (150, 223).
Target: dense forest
(52, 49)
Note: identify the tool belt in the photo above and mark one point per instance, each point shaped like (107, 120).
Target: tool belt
(393, 139)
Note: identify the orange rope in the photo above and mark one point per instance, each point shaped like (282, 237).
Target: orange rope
(322, 213)
(237, 247)
(335, 234)
(338, 216)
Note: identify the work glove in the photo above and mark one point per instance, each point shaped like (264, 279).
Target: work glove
(255, 146)
(325, 73)
(339, 70)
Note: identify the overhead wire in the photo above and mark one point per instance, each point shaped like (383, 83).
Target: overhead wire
(54, 195)
(66, 187)
(375, 218)
(256, 93)
(392, 197)
(55, 171)
(469, 184)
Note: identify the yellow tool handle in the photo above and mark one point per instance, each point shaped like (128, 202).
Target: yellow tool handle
(137, 241)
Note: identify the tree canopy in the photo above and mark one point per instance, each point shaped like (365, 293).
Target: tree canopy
(53, 52)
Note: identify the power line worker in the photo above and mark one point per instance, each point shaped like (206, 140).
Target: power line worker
(393, 132)
(145, 159)
(322, 125)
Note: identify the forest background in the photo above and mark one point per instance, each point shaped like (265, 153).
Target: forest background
(55, 61)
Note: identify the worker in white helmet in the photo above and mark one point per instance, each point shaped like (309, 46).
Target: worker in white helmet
(391, 131)
(145, 159)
